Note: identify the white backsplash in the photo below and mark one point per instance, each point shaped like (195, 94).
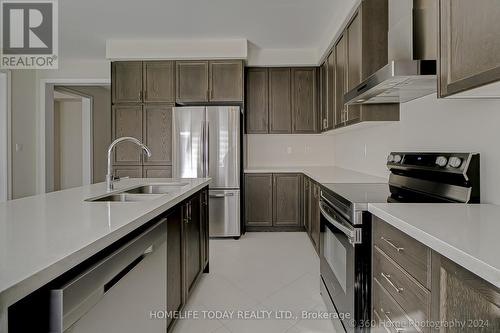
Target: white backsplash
(289, 150)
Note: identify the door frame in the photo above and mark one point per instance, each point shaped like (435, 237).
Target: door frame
(5, 147)
(45, 121)
(87, 133)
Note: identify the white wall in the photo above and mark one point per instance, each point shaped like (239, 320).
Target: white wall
(4, 149)
(24, 104)
(288, 150)
(430, 124)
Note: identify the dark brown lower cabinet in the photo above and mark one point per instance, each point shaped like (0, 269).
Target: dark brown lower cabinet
(287, 203)
(314, 214)
(175, 296)
(416, 284)
(188, 245)
(273, 201)
(192, 234)
(306, 204)
(259, 199)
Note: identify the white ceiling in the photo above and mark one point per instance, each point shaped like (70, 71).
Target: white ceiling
(85, 26)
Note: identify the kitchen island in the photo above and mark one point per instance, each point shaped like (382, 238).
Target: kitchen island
(45, 236)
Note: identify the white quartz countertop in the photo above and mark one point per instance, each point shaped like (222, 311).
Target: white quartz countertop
(322, 174)
(43, 236)
(465, 234)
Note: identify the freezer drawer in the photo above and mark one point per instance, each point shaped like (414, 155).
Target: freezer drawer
(224, 213)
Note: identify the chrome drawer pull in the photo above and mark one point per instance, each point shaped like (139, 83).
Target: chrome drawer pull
(391, 323)
(391, 244)
(387, 277)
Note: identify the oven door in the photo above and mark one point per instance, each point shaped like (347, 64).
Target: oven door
(338, 243)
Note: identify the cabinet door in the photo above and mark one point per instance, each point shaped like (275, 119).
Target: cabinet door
(157, 171)
(257, 100)
(280, 106)
(204, 214)
(467, 298)
(131, 171)
(305, 100)
(307, 204)
(354, 65)
(287, 199)
(127, 81)
(159, 81)
(175, 295)
(315, 215)
(192, 81)
(469, 44)
(127, 121)
(340, 79)
(324, 95)
(157, 134)
(192, 238)
(226, 81)
(331, 98)
(259, 199)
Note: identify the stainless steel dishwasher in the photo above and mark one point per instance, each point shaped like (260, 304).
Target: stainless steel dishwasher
(118, 293)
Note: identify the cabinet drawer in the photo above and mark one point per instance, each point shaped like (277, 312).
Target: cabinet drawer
(411, 255)
(388, 313)
(411, 296)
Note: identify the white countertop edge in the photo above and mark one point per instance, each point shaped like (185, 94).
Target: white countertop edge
(29, 284)
(321, 173)
(476, 266)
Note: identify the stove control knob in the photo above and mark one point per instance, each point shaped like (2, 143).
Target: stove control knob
(441, 161)
(397, 158)
(390, 158)
(455, 162)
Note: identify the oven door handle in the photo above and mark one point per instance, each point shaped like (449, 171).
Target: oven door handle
(353, 234)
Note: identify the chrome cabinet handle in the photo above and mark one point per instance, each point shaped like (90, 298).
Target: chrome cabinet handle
(391, 323)
(391, 244)
(387, 277)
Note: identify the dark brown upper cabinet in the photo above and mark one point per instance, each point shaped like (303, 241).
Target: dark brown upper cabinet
(340, 80)
(330, 86)
(226, 80)
(283, 100)
(257, 101)
(126, 77)
(280, 101)
(304, 100)
(259, 200)
(157, 133)
(209, 81)
(192, 81)
(354, 62)
(359, 52)
(159, 81)
(287, 208)
(127, 121)
(469, 45)
(323, 83)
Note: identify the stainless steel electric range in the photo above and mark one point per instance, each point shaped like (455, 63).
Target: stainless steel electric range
(345, 242)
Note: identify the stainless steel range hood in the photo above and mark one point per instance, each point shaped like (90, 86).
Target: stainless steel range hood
(412, 51)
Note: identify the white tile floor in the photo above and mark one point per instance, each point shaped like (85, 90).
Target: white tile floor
(260, 272)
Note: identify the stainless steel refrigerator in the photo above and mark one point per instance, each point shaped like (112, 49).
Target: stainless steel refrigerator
(206, 143)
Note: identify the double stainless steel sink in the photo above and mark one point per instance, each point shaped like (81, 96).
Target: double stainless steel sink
(140, 193)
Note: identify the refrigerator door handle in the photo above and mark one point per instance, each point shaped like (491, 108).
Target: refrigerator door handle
(202, 150)
(207, 149)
